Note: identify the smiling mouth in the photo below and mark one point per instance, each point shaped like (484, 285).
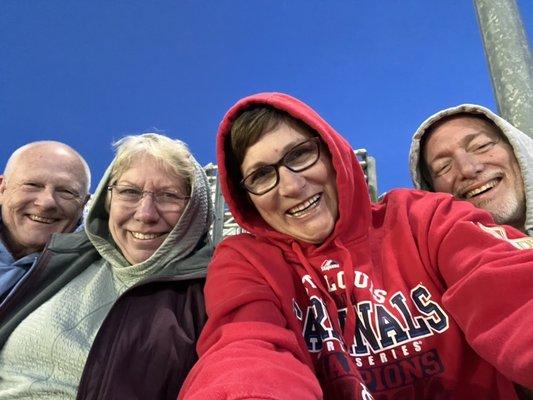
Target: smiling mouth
(302, 208)
(42, 220)
(480, 190)
(145, 236)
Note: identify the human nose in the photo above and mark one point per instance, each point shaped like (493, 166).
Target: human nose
(45, 199)
(146, 210)
(290, 183)
(469, 165)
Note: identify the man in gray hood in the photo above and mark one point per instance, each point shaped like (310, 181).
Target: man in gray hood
(479, 157)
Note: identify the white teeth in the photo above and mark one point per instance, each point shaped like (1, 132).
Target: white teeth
(38, 218)
(480, 189)
(301, 208)
(145, 236)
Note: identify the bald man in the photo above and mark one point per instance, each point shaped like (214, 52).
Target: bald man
(43, 190)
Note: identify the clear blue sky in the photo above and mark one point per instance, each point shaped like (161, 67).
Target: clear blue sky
(88, 73)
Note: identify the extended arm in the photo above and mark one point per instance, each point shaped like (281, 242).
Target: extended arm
(248, 349)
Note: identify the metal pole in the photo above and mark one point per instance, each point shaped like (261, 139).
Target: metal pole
(510, 61)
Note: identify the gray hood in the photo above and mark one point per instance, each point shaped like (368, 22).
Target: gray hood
(185, 252)
(521, 143)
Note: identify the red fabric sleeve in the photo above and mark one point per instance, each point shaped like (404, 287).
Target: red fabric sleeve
(247, 350)
(490, 286)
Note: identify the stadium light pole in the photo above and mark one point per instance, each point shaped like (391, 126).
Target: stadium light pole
(509, 59)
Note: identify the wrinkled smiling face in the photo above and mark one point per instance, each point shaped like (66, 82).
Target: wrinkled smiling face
(303, 204)
(468, 157)
(139, 229)
(44, 193)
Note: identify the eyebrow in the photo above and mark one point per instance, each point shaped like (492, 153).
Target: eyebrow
(69, 185)
(128, 183)
(465, 141)
(125, 183)
(284, 151)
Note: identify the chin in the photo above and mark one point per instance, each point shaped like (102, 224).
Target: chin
(317, 238)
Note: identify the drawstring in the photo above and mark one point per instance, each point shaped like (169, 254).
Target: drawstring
(335, 368)
(317, 281)
(349, 327)
(349, 277)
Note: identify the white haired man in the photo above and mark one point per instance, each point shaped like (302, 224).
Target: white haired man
(43, 190)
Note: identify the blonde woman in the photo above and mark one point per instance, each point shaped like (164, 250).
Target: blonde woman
(119, 307)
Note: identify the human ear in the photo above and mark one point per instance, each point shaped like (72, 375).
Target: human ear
(2, 187)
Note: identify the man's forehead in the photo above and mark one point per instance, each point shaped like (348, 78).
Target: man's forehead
(45, 168)
(465, 125)
(56, 177)
(455, 132)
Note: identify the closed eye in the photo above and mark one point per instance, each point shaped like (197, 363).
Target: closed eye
(483, 147)
(442, 169)
(32, 186)
(67, 193)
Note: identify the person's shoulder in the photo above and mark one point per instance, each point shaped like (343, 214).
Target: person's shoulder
(242, 243)
(235, 241)
(62, 242)
(414, 197)
(249, 249)
(421, 205)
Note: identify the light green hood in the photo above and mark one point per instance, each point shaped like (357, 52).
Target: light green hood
(185, 252)
(521, 143)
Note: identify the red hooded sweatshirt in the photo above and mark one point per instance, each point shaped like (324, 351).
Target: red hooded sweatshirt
(421, 296)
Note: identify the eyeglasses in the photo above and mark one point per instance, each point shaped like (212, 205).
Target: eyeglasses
(166, 200)
(302, 156)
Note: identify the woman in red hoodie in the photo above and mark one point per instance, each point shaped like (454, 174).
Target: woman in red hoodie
(329, 296)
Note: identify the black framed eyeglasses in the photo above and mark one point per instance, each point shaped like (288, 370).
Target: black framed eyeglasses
(166, 200)
(299, 158)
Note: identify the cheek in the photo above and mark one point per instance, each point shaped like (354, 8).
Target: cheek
(264, 204)
(117, 234)
(331, 179)
(443, 184)
(111, 227)
(116, 220)
(503, 157)
(334, 198)
(173, 221)
(16, 202)
(517, 175)
(73, 211)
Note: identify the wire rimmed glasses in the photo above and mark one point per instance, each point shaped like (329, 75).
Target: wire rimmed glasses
(165, 200)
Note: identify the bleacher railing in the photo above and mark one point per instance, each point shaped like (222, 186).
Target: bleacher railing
(224, 223)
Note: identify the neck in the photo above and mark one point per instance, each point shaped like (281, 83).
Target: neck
(14, 249)
(519, 223)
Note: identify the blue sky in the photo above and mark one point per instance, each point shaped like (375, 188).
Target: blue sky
(87, 73)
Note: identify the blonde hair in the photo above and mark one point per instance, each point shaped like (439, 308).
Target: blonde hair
(173, 154)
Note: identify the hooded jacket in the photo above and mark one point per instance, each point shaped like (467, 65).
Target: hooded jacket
(521, 143)
(406, 287)
(145, 344)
